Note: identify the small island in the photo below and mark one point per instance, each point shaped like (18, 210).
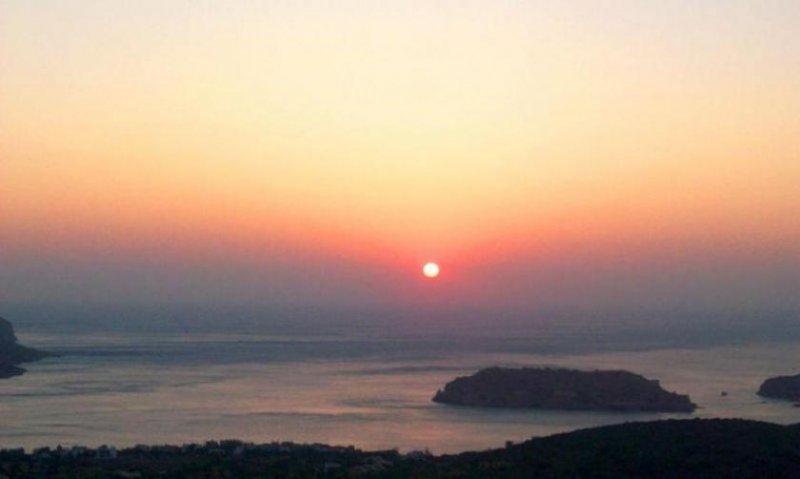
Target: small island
(566, 389)
(12, 354)
(781, 387)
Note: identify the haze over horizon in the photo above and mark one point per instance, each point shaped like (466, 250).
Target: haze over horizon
(639, 155)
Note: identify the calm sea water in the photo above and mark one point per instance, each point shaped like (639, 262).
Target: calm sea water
(125, 380)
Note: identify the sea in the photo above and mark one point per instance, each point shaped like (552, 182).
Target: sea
(155, 375)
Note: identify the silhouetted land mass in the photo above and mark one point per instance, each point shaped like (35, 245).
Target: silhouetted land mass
(696, 448)
(569, 389)
(693, 448)
(12, 353)
(781, 387)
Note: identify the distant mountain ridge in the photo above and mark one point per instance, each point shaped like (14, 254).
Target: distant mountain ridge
(12, 354)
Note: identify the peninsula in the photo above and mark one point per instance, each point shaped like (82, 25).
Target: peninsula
(12, 354)
(781, 387)
(567, 389)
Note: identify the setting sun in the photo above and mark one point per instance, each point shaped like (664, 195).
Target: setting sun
(431, 270)
(256, 196)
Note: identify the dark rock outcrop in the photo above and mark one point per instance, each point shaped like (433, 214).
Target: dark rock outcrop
(567, 389)
(12, 353)
(781, 387)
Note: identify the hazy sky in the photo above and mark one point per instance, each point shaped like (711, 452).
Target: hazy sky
(561, 153)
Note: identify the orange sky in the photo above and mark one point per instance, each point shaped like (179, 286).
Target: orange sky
(371, 137)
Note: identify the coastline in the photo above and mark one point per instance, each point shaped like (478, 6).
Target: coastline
(674, 448)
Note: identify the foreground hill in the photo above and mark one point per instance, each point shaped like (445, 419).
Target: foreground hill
(12, 353)
(547, 388)
(711, 448)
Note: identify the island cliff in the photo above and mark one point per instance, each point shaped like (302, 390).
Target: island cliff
(781, 387)
(545, 388)
(12, 354)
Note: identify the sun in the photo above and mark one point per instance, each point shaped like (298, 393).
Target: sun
(431, 270)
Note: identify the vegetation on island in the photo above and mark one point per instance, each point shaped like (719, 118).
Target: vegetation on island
(568, 389)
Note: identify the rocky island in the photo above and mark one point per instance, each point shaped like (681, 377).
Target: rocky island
(781, 387)
(566, 389)
(12, 354)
